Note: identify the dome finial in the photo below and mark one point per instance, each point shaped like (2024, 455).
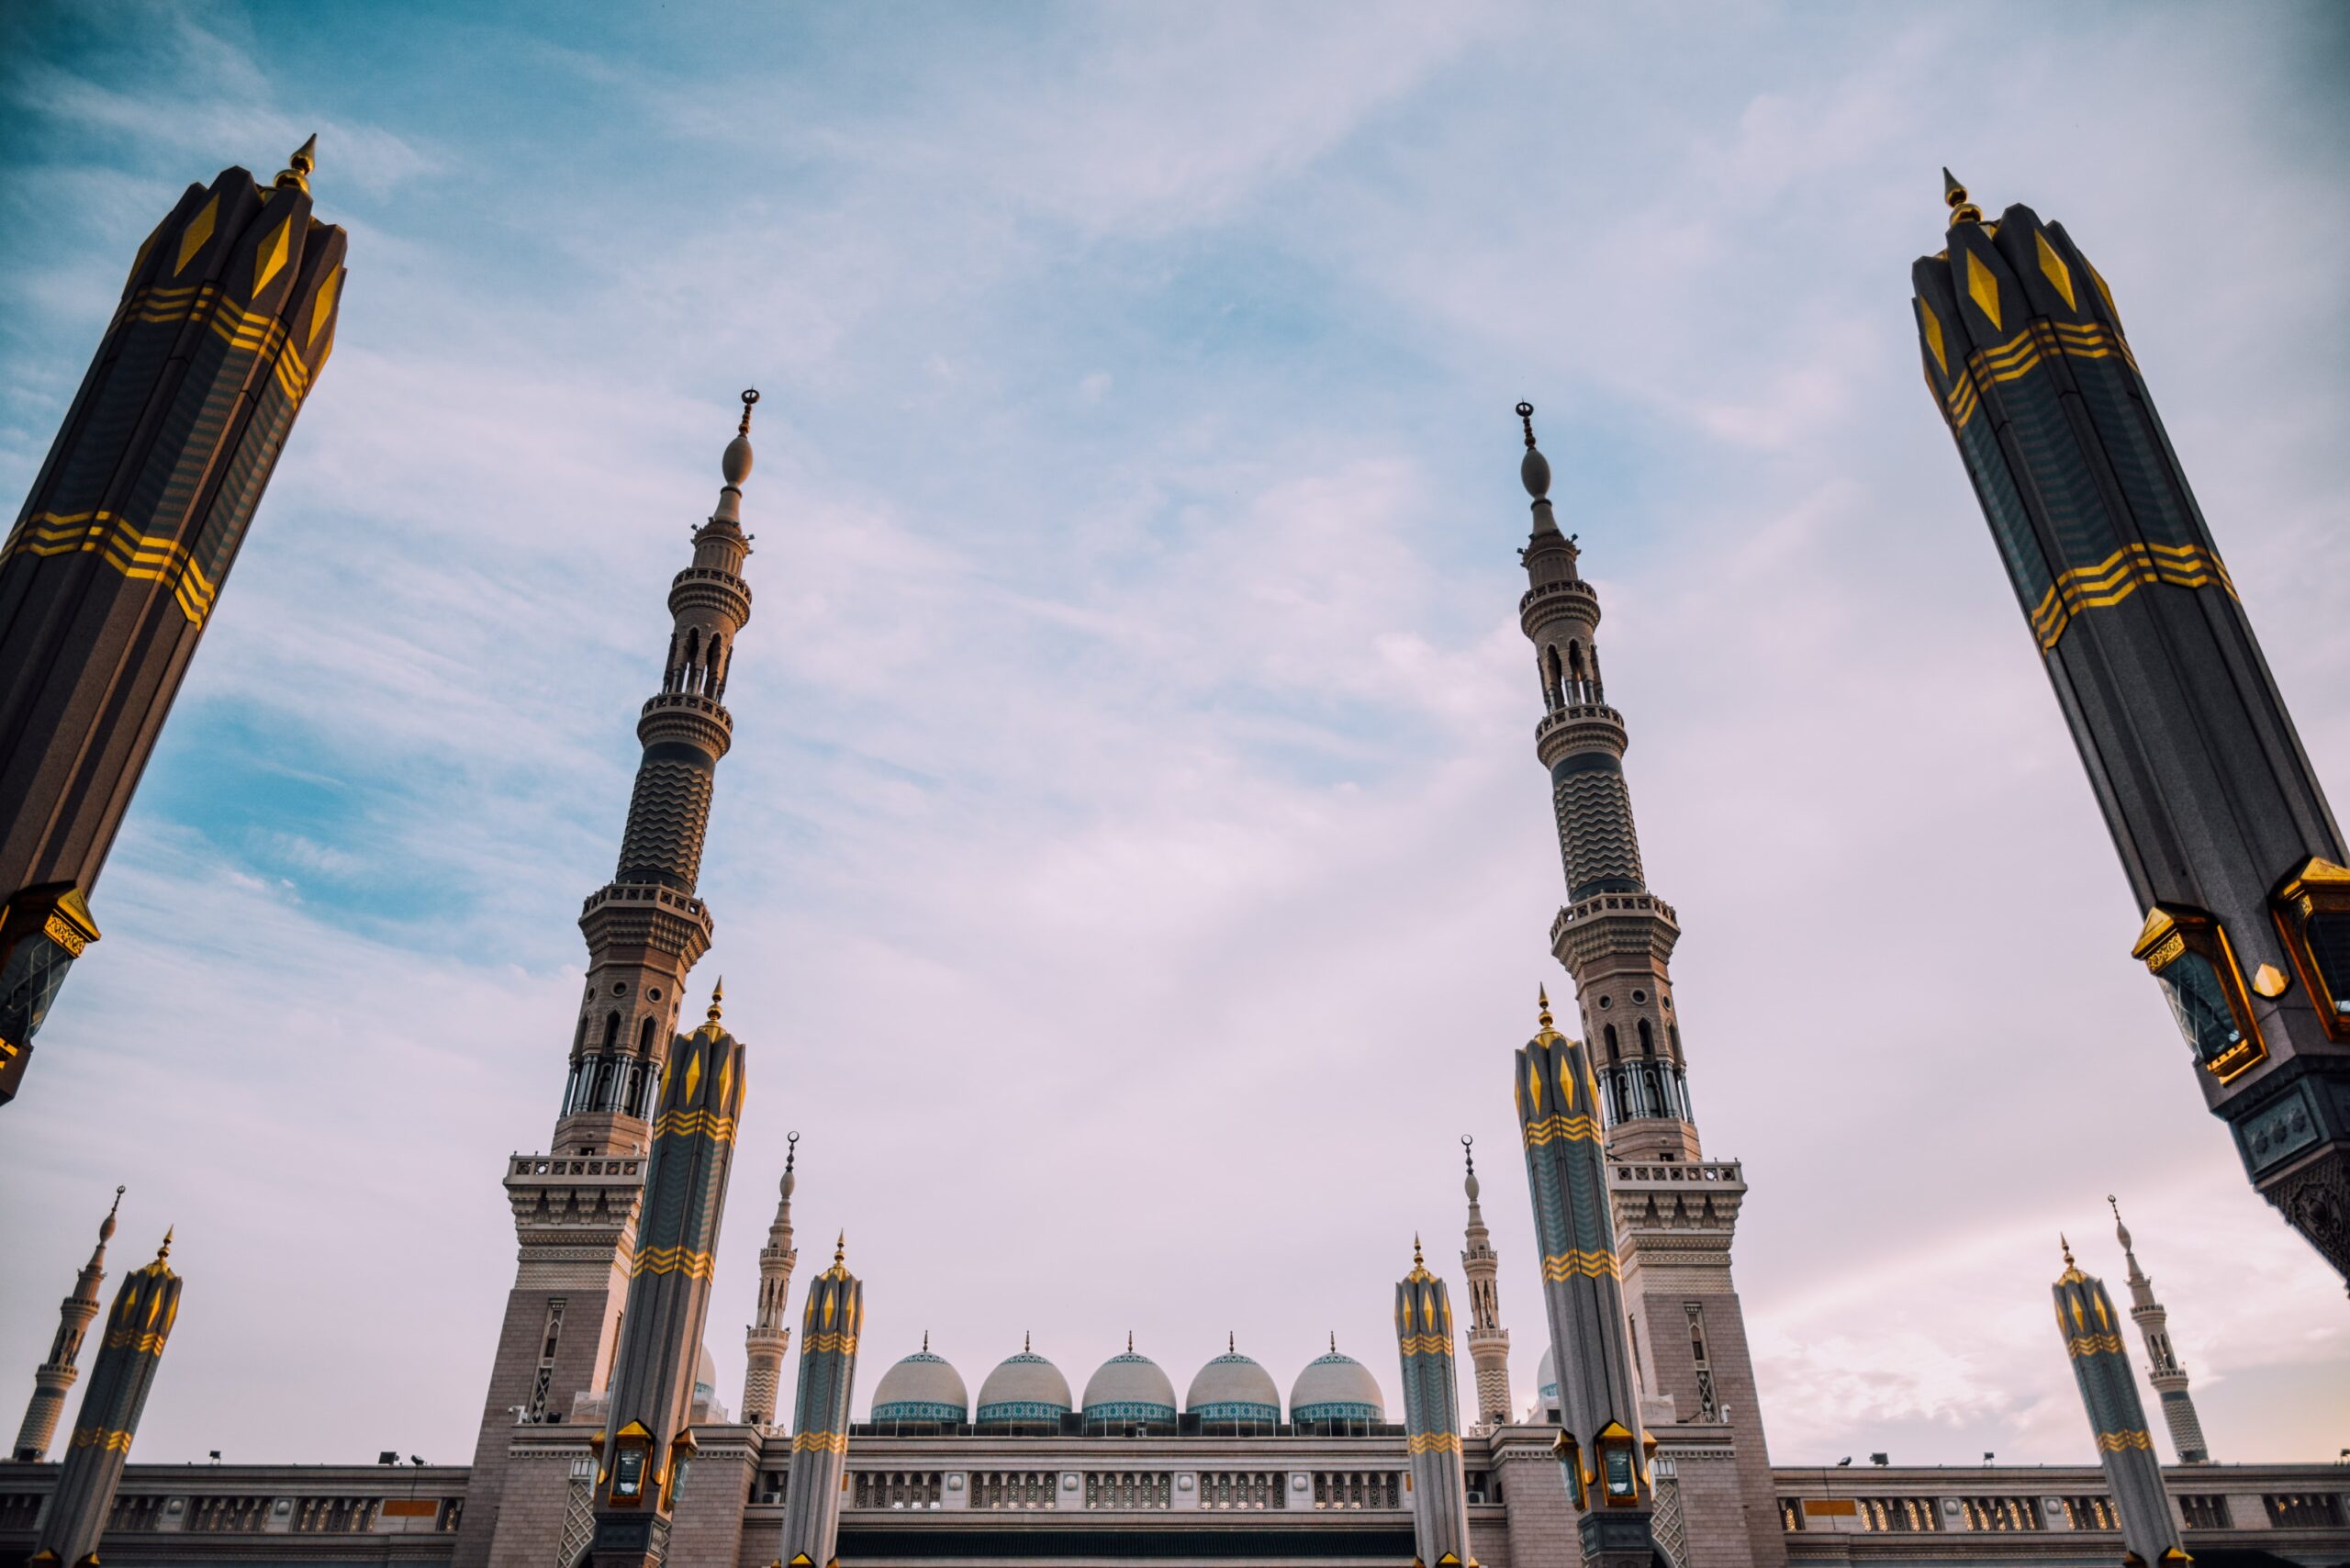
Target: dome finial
(1027, 1343)
(165, 1249)
(840, 1249)
(2120, 1231)
(1954, 197)
(1130, 1341)
(717, 998)
(735, 466)
(1533, 469)
(105, 1225)
(750, 399)
(926, 1341)
(1231, 1343)
(1334, 1342)
(296, 175)
(1547, 1031)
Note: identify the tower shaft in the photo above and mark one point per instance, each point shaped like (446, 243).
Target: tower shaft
(2223, 833)
(829, 1327)
(577, 1207)
(2084, 1317)
(112, 568)
(1432, 1418)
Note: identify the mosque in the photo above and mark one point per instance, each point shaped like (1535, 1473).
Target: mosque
(603, 1439)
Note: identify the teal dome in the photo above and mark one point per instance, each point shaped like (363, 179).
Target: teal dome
(1336, 1388)
(1025, 1387)
(1234, 1388)
(922, 1387)
(1129, 1387)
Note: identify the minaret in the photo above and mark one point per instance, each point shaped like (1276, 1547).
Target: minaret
(811, 1493)
(56, 1376)
(100, 1446)
(768, 1340)
(1674, 1224)
(1488, 1340)
(2162, 1362)
(2084, 1317)
(2230, 849)
(647, 1436)
(1431, 1418)
(111, 571)
(1600, 1444)
(576, 1207)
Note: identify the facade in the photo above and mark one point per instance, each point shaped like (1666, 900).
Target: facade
(115, 562)
(2226, 839)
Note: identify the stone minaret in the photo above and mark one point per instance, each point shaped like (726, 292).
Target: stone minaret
(100, 1446)
(2224, 836)
(2084, 1317)
(576, 1207)
(812, 1495)
(56, 1376)
(646, 1434)
(1676, 1212)
(2162, 1362)
(111, 571)
(1600, 1445)
(1488, 1340)
(1432, 1418)
(768, 1340)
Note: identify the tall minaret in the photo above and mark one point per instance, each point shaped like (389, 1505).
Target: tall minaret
(768, 1340)
(106, 1425)
(647, 1437)
(56, 1376)
(2162, 1362)
(1673, 1225)
(112, 568)
(576, 1207)
(812, 1495)
(2085, 1317)
(2224, 831)
(1431, 1418)
(1488, 1340)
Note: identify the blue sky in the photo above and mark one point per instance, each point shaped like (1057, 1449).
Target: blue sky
(1132, 872)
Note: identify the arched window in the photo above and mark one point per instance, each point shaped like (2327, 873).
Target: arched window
(1612, 1054)
(644, 1037)
(579, 1041)
(669, 670)
(1579, 684)
(1554, 684)
(710, 662)
(1648, 1039)
(693, 657)
(612, 1030)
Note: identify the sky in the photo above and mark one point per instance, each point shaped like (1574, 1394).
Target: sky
(1132, 872)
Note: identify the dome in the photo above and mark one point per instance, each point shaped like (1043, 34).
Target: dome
(1336, 1388)
(1026, 1387)
(922, 1387)
(706, 1404)
(1130, 1387)
(1234, 1388)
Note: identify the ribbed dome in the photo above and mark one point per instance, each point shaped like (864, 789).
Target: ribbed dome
(922, 1387)
(1234, 1388)
(1336, 1388)
(1129, 1388)
(1026, 1387)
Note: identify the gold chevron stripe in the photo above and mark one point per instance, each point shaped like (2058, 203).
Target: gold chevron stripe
(1592, 1264)
(2077, 1346)
(821, 1442)
(1426, 1344)
(2121, 575)
(844, 1343)
(142, 557)
(2025, 353)
(1433, 1442)
(694, 1123)
(675, 1260)
(101, 1437)
(2117, 1442)
(1574, 1129)
(145, 1344)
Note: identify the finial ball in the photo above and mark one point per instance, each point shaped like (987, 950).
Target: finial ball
(736, 464)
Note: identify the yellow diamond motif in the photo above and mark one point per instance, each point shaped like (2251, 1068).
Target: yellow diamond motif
(2058, 273)
(1534, 1084)
(325, 305)
(1566, 1083)
(1984, 285)
(272, 254)
(725, 1080)
(198, 230)
(1933, 325)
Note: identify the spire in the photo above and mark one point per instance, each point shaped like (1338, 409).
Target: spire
(105, 1226)
(1027, 1343)
(1468, 1154)
(1534, 473)
(789, 1182)
(2072, 1274)
(1419, 1265)
(926, 1341)
(717, 999)
(1954, 197)
(296, 175)
(2122, 1234)
(1130, 1341)
(165, 1249)
(1334, 1342)
(1547, 1031)
(735, 466)
(1231, 1343)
